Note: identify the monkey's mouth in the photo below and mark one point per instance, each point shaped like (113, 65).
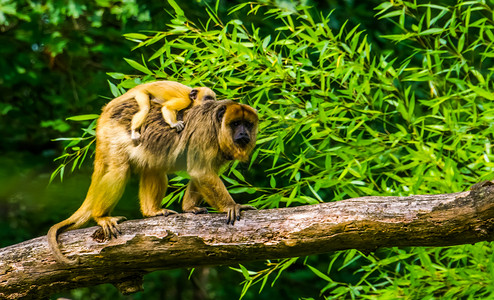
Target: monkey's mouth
(242, 141)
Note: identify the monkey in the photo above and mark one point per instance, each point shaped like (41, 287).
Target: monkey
(171, 95)
(217, 132)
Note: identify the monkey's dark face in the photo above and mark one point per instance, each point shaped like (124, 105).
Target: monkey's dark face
(241, 131)
(238, 130)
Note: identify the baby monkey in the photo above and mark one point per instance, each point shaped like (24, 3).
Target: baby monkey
(171, 95)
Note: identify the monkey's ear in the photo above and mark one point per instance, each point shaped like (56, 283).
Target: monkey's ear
(193, 94)
(220, 113)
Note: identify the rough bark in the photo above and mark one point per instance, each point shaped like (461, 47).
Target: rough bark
(28, 270)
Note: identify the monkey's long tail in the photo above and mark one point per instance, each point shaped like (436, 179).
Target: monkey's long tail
(52, 236)
(78, 219)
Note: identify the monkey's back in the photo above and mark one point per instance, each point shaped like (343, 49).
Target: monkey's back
(160, 145)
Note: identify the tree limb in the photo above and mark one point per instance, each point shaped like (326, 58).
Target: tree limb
(29, 270)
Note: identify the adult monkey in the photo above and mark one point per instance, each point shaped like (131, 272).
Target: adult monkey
(216, 132)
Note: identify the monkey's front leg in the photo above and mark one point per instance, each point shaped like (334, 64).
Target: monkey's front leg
(234, 212)
(192, 199)
(170, 117)
(170, 109)
(215, 193)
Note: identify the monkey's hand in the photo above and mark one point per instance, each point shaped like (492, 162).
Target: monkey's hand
(234, 212)
(179, 126)
(136, 137)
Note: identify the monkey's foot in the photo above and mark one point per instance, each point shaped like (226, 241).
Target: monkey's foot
(109, 226)
(179, 126)
(233, 212)
(196, 210)
(136, 137)
(162, 212)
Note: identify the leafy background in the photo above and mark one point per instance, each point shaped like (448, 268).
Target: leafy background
(355, 98)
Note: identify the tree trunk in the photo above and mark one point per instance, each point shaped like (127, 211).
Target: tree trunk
(29, 270)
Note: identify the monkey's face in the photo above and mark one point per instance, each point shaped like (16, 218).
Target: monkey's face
(201, 94)
(241, 132)
(238, 130)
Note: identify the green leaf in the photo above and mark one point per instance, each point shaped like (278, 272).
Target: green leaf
(138, 66)
(83, 117)
(237, 7)
(391, 14)
(135, 36)
(238, 190)
(272, 182)
(320, 274)
(176, 7)
(116, 75)
(158, 53)
(266, 41)
(238, 174)
(432, 31)
(114, 89)
(245, 272)
(482, 92)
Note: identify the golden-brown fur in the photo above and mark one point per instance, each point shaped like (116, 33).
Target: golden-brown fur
(171, 95)
(216, 132)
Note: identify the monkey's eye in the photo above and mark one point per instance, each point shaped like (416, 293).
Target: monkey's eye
(208, 98)
(249, 125)
(235, 123)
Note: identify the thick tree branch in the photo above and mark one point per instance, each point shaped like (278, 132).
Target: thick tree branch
(28, 269)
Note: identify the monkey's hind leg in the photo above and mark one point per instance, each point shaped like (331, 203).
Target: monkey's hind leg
(139, 118)
(152, 189)
(192, 200)
(106, 193)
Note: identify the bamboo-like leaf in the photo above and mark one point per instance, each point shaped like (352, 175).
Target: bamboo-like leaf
(138, 66)
(83, 117)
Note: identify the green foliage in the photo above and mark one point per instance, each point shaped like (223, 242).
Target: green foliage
(252, 278)
(342, 117)
(74, 154)
(417, 273)
(55, 56)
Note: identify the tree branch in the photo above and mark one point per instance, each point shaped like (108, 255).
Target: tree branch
(29, 270)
